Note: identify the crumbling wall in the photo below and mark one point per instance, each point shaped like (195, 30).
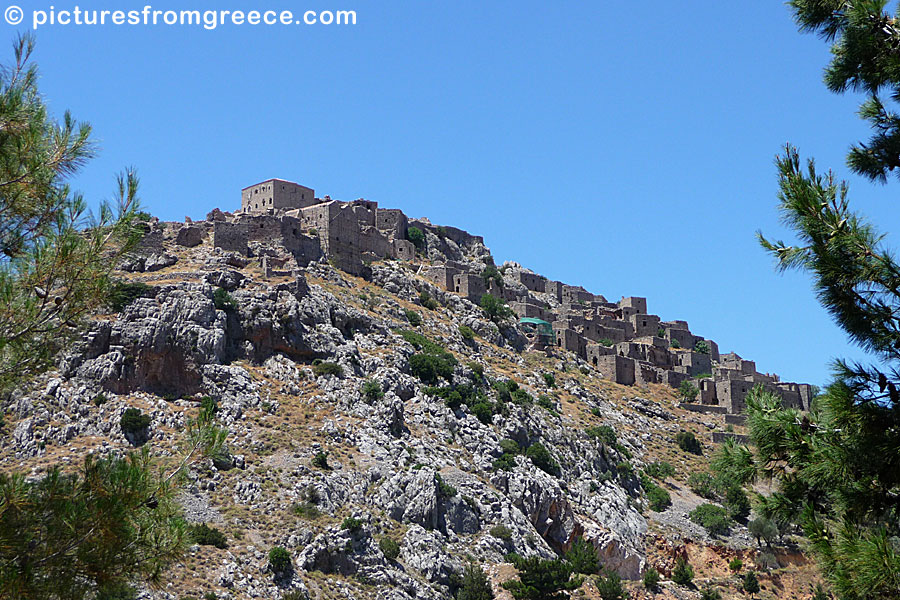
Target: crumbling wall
(231, 237)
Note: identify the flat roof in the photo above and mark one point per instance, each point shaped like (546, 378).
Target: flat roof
(275, 179)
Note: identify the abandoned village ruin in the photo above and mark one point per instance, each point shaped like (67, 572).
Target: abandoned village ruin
(286, 227)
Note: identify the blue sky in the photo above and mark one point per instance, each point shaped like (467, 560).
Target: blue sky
(627, 147)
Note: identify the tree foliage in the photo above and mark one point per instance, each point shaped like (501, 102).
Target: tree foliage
(837, 469)
(55, 257)
(541, 579)
(495, 308)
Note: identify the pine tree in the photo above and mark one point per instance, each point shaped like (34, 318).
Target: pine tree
(92, 532)
(838, 467)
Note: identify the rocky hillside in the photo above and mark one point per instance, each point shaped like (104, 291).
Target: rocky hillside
(382, 431)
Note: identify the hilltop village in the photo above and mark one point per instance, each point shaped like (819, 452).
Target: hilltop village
(287, 227)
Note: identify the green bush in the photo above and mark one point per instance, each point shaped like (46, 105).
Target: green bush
(223, 300)
(389, 547)
(702, 347)
(501, 532)
(445, 490)
(737, 504)
(100, 399)
(208, 536)
(546, 402)
(495, 308)
(371, 389)
(328, 368)
(209, 405)
(351, 524)
(306, 510)
(467, 333)
(414, 318)
(430, 367)
(477, 370)
(702, 484)
(122, 294)
(751, 583)
(583, 557)
(651, 579)
(549, 379)
(609, 586)
(605, 342)
(688, 390)
(540, 578)
(279, 560)
(710, 593)
(604, 433)
(483, 411)
(492, 273)
(689, 443)
(683, 573)
(675, 344)
(542, 458)
(474, 585)
(763, 529)
(736, 565)
(659, 470)
(320, 461)
(427, 301)
(712, 518)
(133, 421)
(658, 498)
(416, 236)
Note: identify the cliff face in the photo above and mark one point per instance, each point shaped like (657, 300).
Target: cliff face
(452, 480)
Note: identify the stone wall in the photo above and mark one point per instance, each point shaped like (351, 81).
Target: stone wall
(231, 237)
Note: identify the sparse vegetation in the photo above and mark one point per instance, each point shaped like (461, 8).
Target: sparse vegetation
(427, 301)
(328, 368)
(501, 532)
(351, 524)
(688, 442)
(702, 484)
(389, 548)
(683, 573)
(659, 470)
(372, 391)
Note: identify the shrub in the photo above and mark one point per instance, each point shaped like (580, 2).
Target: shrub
(712, 518)
(445, 490)
(549, 379)
(710, 593)
(501, 532)
(492, 273)
(100, 400)
(539, 578)
(483, 411)
(675, 344)
(279, 560)
(467, 333)
(609, 586)
(688, 390)
(542, 458)
(604, 433)
(474, 585)
(659, 470)
(122, 294)
(495, 308)
(661, 332)
(209, 405)
(658, 498)
(763, 529)
(605, 342)
(702, 347)
(389, 547)
(328, 368)
(737, 504)
(751, 583)
(689, 443)
(651, 579)
(702, 484)
(371, 389)
(306, 510)
(223, 300)
(133, 421)
(546, 402)
(427, 301)
(320, 461)
(583, 557)
(208, 536)
(683, 573)
(429, 367)
(351, 524)
(295, 595)
(414, 318)
(477, 370)
(415, 235)
(736, 565)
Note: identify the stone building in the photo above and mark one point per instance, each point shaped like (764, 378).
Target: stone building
(276, 194)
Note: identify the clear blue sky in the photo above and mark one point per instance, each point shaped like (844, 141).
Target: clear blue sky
(625, 146)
